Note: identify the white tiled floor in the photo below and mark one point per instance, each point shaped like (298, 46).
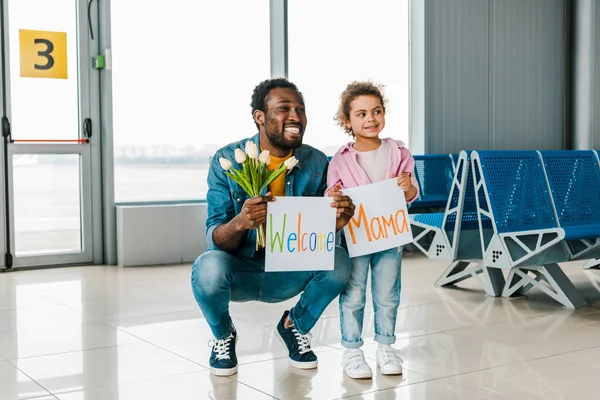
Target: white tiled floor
(108, 333)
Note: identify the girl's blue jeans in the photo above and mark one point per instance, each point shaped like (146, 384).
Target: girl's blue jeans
(385, 289)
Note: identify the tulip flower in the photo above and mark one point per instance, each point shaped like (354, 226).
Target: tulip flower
(291, 162)
(251, 150)
(225, 163)
(255, 177)
(265, 157)
(240, 156)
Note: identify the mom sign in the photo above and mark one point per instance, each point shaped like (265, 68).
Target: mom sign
(380, 221)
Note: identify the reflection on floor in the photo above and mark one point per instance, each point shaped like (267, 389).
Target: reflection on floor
(104, 333)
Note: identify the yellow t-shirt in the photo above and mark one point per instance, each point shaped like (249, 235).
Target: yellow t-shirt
(277, 187)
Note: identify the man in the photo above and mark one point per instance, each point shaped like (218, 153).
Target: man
(231, 269)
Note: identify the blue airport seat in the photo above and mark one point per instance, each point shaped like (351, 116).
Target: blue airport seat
(434, 173)
(431, 219)
(454, 157)
(596, 262)
(517, 191)
(454, 234)
(513, 190)
(574, 180)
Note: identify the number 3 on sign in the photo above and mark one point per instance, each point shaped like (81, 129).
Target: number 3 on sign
(43, 54)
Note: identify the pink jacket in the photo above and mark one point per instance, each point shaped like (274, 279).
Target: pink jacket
(344, 168)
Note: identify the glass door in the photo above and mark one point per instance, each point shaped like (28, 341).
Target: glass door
(47, 129)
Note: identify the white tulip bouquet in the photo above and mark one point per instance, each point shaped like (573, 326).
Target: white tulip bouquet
(254, 177)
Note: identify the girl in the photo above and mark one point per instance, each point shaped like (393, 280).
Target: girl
(369, 159)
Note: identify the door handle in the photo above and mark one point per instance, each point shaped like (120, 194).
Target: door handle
(87, 128)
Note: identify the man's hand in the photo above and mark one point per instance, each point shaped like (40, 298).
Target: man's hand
(343, 205)
(254, 212)
(228, 236)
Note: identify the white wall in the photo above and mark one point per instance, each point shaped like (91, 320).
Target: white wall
(160, 234)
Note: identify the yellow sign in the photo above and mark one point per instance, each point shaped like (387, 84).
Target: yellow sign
(43, 54)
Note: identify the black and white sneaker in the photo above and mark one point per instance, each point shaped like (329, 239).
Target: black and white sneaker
(298, 345)
(223, 360)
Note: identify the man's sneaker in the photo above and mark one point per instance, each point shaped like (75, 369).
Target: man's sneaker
(355, 365)
(388, 360)
(223, 361)
(301, 356)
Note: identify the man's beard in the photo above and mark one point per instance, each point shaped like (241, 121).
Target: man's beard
(279, 140)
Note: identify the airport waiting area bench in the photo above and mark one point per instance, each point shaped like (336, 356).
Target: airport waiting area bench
(522, 212)
(434, 174)
(595, 263)
(544, 208)
(453, 235)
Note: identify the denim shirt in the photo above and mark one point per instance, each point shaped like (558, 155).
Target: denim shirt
(225, 197)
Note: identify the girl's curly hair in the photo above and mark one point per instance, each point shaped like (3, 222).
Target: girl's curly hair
(351, 92)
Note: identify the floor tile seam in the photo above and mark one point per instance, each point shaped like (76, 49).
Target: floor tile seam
(407, 369)
(47, 297)
(139, 337)
(154, 341)
(537, 358)
(477, 325)
(70, 352)
(191, 308)
(585, 365)
(99, 322)
(503, 321)
(429, 303)
(109, 321)
(41, 397)
(145, 315)
(206, 367)
(449, 331)
(576, 351)
(106, 320)
(33, 380)
(56, 303)
(328, 345)
(116, 384)
(427, 380)
(485, 389)
(255, 389)
(465, 299)
(330, 348)
(83, 321)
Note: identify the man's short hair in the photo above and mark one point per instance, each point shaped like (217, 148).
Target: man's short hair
(261, 91)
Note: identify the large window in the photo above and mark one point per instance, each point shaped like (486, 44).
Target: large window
(183, 75)
(184, 72)
(348, 40)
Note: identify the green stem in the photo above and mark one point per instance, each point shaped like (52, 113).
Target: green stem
(260, 237)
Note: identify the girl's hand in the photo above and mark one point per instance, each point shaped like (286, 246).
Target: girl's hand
(404, 181)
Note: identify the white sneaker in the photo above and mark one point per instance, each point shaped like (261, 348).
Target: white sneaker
(355, 365)
(388, 360)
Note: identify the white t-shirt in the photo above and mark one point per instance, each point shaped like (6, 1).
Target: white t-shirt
(375, 162)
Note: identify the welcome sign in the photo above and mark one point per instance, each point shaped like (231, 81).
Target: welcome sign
(380, 221)
(300, 234)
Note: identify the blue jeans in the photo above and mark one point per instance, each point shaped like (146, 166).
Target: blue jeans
(219, 277)
(385, 290)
